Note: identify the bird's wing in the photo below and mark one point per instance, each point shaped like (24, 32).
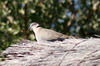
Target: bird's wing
(57, 35)
(48, 34)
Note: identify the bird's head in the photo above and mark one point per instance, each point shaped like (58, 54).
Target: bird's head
(33, 26)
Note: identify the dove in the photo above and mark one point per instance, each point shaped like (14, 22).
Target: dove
(43, 34)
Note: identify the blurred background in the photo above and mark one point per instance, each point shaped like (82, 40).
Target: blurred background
(72, 17)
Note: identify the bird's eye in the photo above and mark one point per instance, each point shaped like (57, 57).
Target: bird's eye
(33, 24)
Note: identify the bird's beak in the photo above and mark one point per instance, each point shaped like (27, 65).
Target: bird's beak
(29, 28)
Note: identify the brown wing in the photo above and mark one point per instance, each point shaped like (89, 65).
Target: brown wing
(48, 34)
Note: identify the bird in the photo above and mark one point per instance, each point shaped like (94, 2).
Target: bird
(43, 34)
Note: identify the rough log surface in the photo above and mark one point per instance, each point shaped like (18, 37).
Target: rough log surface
(70, 52)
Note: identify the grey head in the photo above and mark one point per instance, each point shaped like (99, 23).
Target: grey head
(33, 26)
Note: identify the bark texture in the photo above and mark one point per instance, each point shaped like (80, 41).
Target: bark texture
(70, 52)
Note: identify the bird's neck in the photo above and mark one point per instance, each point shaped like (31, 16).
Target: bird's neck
(36, 29)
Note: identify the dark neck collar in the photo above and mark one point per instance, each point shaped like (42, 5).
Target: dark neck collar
(38, 26)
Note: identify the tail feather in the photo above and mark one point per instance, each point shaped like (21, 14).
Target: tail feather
(66, 37)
